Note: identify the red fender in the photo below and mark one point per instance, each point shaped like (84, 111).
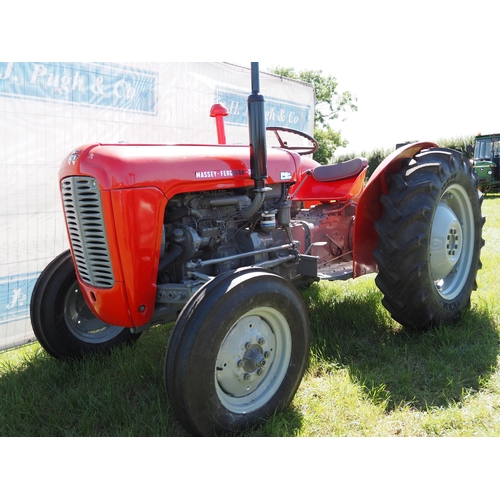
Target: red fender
(369, 208)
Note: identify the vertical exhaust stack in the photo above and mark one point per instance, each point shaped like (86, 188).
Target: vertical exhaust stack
(257, 130)
(258, 153)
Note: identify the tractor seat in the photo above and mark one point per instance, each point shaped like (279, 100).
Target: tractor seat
(338, 171)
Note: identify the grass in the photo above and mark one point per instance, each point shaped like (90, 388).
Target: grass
(367, 375)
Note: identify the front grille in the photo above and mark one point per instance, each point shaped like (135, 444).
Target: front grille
(84, 217)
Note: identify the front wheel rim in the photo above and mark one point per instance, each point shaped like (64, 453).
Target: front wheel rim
(253, 360)
(452, 242)
(82, 323)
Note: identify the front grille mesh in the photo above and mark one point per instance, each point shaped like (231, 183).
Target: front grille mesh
(84, 217)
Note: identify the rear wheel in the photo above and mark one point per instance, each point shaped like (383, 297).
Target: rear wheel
(430, 239)
(237, 353)
(61, 320)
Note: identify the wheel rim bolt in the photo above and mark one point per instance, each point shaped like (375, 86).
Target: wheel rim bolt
(260, 371)
(246, 376)
(262, 341)
(239, 364)
(267, 354)
(248, 345)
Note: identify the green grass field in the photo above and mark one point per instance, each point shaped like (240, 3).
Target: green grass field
(367, 375)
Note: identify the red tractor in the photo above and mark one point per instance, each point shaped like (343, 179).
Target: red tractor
(218, 238)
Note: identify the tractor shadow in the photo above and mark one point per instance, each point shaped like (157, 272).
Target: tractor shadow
(396, 366)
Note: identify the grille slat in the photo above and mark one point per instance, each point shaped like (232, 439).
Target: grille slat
(84, 217)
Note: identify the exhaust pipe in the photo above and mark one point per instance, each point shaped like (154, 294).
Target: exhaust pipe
(258, 152)
(257, 129)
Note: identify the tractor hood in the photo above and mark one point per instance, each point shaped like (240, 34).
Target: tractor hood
(175, 168)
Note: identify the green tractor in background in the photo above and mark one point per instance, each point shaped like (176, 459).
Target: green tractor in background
(487, 161)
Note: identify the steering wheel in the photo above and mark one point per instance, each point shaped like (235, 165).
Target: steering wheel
(301, 150)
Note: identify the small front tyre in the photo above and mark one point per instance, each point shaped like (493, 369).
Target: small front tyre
(61, 319)
(237, 352)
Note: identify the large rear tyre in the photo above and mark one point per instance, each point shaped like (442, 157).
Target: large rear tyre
(237, 352)
(61, 320)
(430, 238)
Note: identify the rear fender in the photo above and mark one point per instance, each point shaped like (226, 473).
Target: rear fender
(369, 208)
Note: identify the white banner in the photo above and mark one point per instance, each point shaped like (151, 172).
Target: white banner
(49, 108)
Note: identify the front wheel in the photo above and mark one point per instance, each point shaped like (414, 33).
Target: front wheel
(430, 239)
(237, 352)
(61, 319)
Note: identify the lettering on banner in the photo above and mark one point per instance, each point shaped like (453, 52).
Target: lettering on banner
(104, 85)
(278, 112)
(15, 292)
(17, 299)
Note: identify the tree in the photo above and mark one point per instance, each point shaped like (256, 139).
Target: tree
(329, 105)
